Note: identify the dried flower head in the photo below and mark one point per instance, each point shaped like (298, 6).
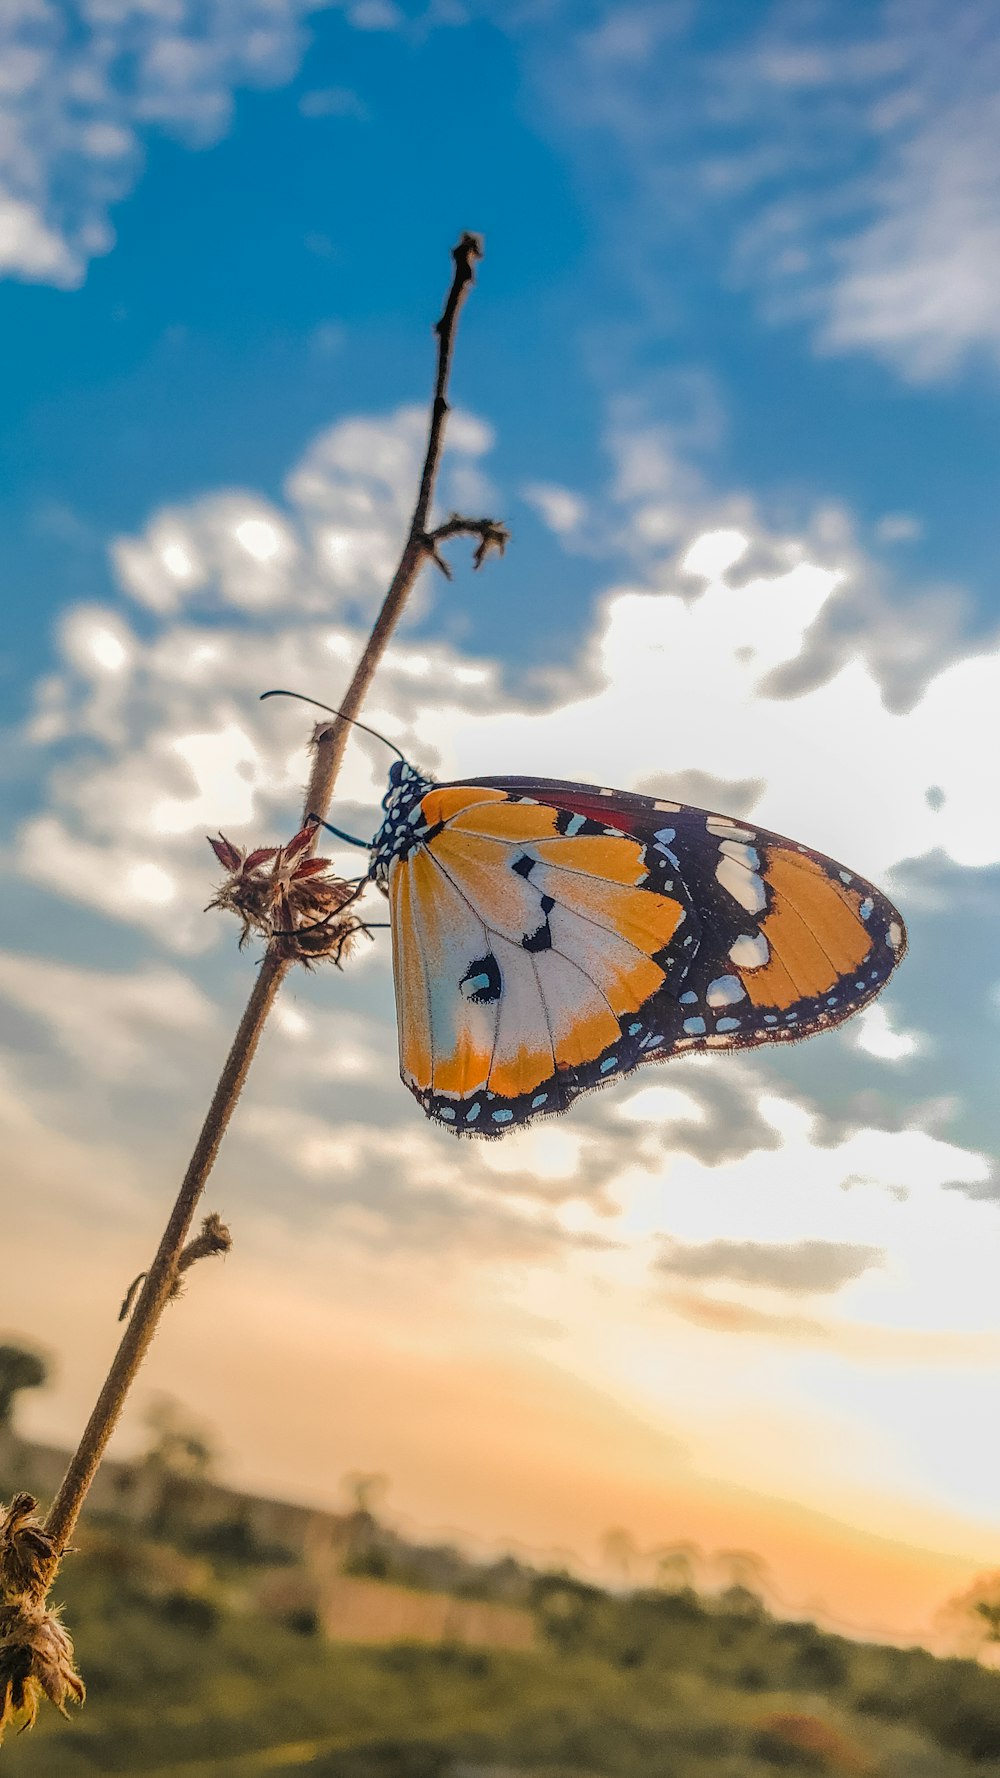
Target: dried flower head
(36, 1661)
(288, 897)
(36, 1654)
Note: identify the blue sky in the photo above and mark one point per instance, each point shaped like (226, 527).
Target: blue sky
(731, 376)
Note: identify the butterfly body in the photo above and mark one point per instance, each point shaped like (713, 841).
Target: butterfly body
(551, 937)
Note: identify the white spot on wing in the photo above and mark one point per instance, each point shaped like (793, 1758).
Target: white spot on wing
(668, 808)
(750, 951)
(725, 991)
(745, 855)
(723, 829)
(895, 934)
(737, 872)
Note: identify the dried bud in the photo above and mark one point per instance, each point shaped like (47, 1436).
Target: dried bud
(213, 1239)
(290, 898)
(27, 1553)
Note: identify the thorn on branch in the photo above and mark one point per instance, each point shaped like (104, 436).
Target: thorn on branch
(493, 538)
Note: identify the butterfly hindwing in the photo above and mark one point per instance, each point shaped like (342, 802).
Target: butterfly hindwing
(791, 942)
(526, 941)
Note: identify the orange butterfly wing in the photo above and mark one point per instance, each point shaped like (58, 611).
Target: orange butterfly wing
(518, 952)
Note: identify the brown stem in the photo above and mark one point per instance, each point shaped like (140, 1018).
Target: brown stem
(330, 743)
(160, 1279)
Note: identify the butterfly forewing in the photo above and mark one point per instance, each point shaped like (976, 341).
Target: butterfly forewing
(526, 942)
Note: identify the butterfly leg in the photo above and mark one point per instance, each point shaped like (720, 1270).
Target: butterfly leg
(332, 924)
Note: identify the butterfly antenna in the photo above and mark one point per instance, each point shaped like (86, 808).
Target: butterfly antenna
(366, 845)
(329, 708)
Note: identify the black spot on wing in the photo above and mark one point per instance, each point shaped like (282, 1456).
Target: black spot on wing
(570, 825)
(482, 982)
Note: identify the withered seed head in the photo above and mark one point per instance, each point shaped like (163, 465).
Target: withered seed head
(36, 1661)
(36, 1654)
(290, 898)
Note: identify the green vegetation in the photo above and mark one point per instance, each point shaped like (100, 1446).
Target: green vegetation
(653, 1685)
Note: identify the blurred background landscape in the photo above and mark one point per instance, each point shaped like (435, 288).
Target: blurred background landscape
(223, 1634)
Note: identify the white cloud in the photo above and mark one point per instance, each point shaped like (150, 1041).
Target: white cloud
(376, 15)
(79, 92)
(661, 1105)
(901, 260)
(875, 1035)
(850, 158)
(899, 527)
(559, 508)
(713, 552)
(115, 1024)
(333, 101)
(334, 549)
(31, 250)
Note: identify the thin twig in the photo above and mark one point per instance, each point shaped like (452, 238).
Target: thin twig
(329, 749)
(213, 1239)
(332, 740)
(492, 536)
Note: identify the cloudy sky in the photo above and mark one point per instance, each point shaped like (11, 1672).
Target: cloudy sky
(731, 377)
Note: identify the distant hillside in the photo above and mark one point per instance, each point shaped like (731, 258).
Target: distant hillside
(186, 1681)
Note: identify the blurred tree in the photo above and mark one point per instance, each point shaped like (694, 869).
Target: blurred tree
(620, 1552)
(366, 1549)
(177, 1445)
(179, 1460)
(970, 1623)
(676, 1566)
(743, 1568)
(20, 1368)
(366, 1488)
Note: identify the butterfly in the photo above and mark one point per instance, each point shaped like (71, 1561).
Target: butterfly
(549, 938)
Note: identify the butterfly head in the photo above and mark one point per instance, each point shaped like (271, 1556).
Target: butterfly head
(399, 772)
(402, 826)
